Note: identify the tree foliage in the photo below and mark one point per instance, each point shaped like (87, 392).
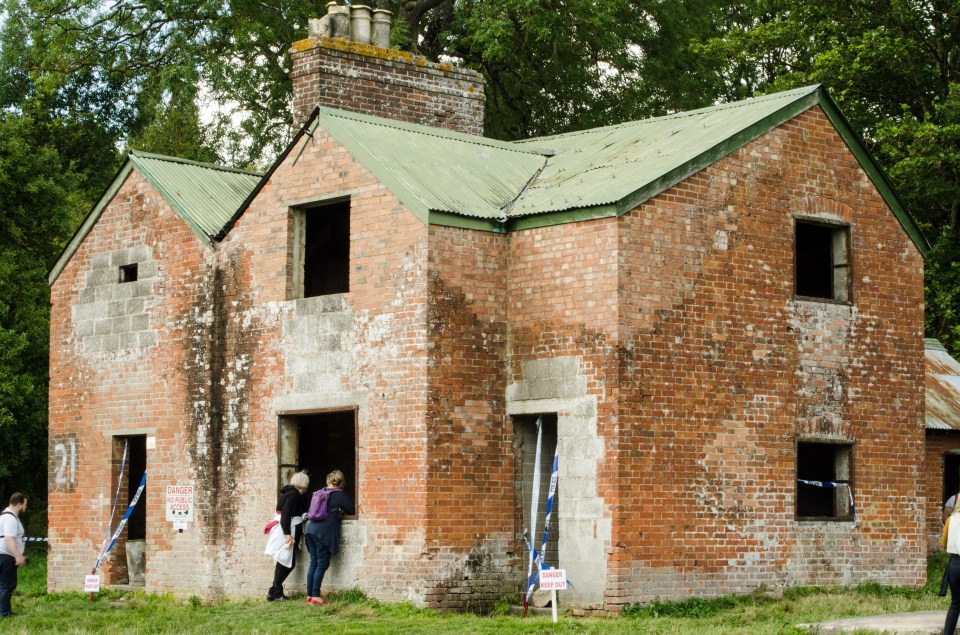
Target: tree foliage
(894, 68)
(561, 65)
(36, 215)
(551, 65)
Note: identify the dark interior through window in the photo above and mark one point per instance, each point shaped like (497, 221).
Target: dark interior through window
(326, 258)
(814, 266)
(951, 475)
(328, 441)
(128, 273)
(823, 462)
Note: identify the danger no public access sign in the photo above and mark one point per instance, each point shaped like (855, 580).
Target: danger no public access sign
(180, 503)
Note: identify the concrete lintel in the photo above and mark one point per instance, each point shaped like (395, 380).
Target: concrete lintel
(321, 199)
(307, 404)
(537, 406)
(128, 432)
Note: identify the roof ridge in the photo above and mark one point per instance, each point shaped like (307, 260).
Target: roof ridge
(139, 154)
(432, 131)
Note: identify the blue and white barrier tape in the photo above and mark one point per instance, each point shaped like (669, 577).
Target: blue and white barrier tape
(123, 522)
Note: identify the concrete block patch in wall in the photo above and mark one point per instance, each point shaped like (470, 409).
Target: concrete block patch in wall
(111, 314)
(585, 526)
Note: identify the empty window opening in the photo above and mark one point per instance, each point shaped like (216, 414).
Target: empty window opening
(828, 464)
(822, 267)
(322, 261)
(951, 475)
(320, 443)
(128, 273)
(525, 446)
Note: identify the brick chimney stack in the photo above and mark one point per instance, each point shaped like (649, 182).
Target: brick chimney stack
(346, 63)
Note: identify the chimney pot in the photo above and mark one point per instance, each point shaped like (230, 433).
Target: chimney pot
(339, 17)
(360, 23)
(382, 19)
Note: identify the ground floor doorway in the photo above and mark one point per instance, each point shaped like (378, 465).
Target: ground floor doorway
(526, 430)
(130, 464)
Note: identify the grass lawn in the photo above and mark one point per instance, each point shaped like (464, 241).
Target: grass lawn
(111, 612)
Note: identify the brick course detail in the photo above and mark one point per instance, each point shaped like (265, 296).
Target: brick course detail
(361, 78)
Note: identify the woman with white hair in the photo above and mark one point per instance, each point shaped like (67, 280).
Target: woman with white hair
(291, 507)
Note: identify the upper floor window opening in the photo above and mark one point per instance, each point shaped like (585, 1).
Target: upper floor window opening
(321, 262)
(822, 261)
(128, 273)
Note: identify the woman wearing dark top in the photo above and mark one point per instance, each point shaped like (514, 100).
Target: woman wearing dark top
(323, 536)
(290, 505)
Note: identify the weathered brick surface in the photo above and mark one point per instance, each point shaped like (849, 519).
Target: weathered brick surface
(104, 385)
(341, 74)
(668, 342)
(723, 371)
(939, 443)
(469, 526)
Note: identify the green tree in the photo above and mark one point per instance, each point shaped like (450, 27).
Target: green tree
(35, 216)
(551, 65)
(894, 68)
(555, 66)
(58, 138)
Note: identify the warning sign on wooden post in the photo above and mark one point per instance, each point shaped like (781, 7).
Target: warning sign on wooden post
(91, 584)
(553, 579)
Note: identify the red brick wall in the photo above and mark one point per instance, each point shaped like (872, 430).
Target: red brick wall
(728, 370)
(939, 443)
(104, 385)
(380, 368)
(362, 78)
(563, 357)
(469, 527)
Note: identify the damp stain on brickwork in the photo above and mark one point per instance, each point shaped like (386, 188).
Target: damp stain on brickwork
(217, 369)
(474, 581)
(471, 348)
(470, 445)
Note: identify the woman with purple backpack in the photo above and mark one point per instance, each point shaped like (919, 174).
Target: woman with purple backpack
(327, 508)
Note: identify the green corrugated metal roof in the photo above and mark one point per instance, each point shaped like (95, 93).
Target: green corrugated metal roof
(443, 171)
(455, 179)
(434, 170)
(205, 195)
(448, 178)
(608, 165)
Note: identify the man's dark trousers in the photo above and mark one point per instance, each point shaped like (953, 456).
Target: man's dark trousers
(8, 582)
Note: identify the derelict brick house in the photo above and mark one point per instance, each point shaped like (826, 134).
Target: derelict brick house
(941, 473)
(702, 309)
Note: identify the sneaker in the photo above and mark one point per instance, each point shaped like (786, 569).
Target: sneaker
(277, 598)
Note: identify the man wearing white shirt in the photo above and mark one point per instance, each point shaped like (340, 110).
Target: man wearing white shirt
(11, 549)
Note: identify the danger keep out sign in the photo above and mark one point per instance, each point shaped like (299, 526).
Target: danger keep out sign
(180, 503)
(553, 579)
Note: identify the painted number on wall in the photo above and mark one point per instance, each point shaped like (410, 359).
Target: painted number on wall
(63, 463)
